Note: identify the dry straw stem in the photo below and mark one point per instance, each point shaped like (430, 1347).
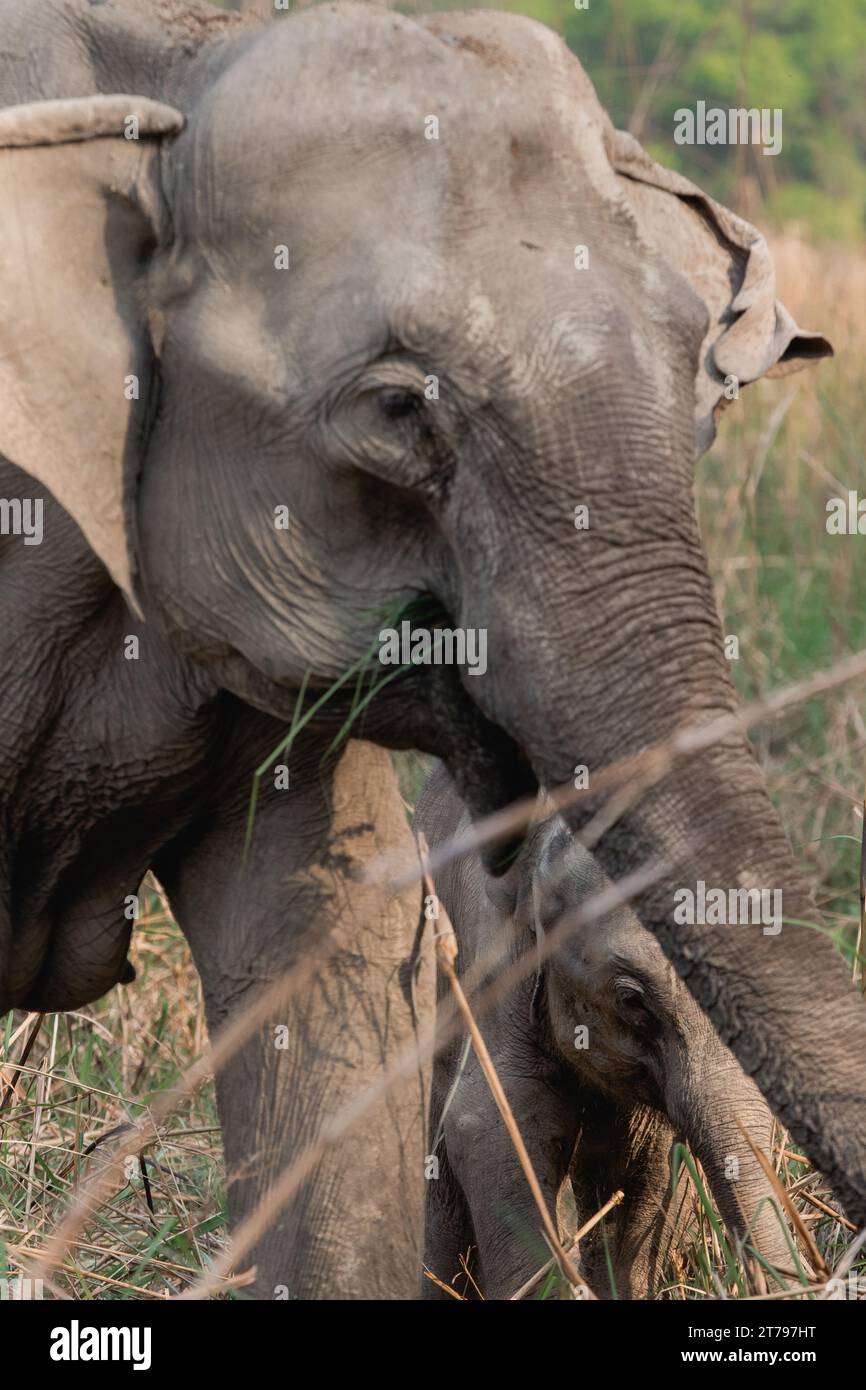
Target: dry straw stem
(428, 1274)
(809, 1291)
(464, 1269)
(630, 777)
(827, 1210)
(446, 955)
(15, 1073)
(464, 1265)
(585, 1229)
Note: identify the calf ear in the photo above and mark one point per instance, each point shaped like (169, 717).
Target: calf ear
(728, 264)
(78, 212)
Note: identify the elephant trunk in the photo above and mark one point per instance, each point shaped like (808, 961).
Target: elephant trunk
(724, 1111)
(616, 669)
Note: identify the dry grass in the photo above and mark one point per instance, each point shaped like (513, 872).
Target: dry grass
(792, 594)
(794, 597)
(87, 1074)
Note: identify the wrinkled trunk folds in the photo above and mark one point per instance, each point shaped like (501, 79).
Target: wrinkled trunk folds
(726, 1105)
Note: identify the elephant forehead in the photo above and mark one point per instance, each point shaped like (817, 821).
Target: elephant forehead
(434, 109)
(428, 184)
(617, 940)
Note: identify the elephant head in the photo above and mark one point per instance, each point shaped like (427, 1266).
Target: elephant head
(608, 1064)
(622, 1020)
(392, 304)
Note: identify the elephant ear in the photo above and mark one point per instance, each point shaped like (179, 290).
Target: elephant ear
(728, 264)
(78, 216)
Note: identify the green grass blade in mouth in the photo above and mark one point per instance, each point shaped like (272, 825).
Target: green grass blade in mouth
(263, 767)
(415, 609)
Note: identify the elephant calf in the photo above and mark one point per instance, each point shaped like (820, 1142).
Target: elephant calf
(606, 1060)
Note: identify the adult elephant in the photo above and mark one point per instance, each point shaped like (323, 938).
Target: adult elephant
(330, 267)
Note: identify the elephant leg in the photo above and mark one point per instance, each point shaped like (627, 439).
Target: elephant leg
(505, 1220)
(627, 1147)
(448, 1234)
(354, 1227)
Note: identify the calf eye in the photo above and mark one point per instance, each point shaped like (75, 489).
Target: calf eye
(631, 1000)
(396, 402)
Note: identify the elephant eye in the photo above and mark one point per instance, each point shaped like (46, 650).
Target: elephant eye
(396, 402)
(631, 1000)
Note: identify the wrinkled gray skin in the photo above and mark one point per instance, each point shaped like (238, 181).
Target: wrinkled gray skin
(259, 388)
(607, 1114)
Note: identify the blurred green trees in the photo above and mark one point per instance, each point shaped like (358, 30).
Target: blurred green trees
(807, 57)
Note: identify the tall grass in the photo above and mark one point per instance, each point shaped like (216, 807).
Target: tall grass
(794, 595)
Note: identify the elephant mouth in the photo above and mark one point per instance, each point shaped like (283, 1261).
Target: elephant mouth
(430, 708)
(431, 711)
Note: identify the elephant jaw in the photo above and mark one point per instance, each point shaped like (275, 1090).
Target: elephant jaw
(430, 709)
(424, 708)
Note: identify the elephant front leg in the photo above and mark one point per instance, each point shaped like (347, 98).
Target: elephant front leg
(505, 1220)
(353, 1228)
(448, 1235)
(627, 1148)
